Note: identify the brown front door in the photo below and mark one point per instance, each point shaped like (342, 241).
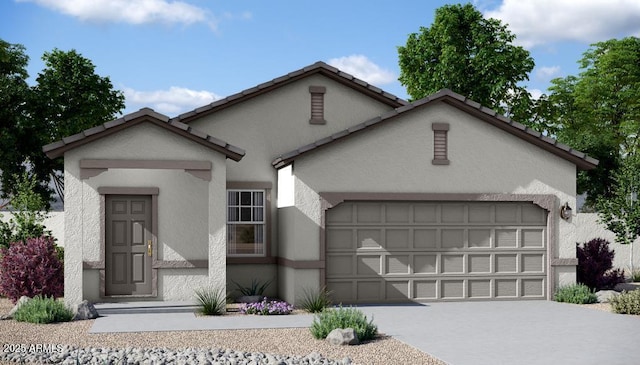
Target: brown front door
(128, 238)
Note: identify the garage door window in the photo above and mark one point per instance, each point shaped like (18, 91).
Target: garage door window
(245, 222)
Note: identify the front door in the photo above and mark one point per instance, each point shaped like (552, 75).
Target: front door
(128, 245)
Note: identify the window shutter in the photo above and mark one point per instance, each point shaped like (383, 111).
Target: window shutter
(440, 143)
(317, 104)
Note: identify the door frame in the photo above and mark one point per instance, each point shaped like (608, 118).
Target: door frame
(149, 191)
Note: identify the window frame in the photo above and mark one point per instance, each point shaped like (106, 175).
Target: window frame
(265, 188)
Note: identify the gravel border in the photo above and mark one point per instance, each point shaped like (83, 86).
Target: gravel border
(293, 344)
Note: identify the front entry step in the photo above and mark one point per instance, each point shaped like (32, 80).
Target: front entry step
(145, 307)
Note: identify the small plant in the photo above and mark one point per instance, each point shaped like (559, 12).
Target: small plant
(627, 302)
(595, 261)
(635, 276)
(212, 300)
(43, 310)
(31, 268)
(315, 300)
(576, 294)
(332, 318)
(256, 288)
(266, 307)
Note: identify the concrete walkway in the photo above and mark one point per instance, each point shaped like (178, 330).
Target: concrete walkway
(523, 332)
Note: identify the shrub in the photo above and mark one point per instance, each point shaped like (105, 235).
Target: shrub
(31, 268)
(576, 294)
(332, 318)
(212, 300)
(256, 288)
(315, 300)
(627, 302)
(595, 260)
(266, 307)
(635, 276)
(43, 310)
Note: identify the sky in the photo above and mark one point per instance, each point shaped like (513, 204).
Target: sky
(175, 56)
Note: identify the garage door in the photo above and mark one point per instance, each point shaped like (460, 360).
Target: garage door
(429, 251)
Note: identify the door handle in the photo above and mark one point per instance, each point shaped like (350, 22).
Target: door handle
(149, 248)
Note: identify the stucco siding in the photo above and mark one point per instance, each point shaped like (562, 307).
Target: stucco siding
(188, 227)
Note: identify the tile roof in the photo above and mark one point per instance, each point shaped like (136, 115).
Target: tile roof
(316, 68)
(57, 149)
(580, 159)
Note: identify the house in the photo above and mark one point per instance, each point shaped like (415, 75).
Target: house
(318, 178)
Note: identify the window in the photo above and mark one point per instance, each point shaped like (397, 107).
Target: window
(440, 143)
(317, 104)
(246, 222)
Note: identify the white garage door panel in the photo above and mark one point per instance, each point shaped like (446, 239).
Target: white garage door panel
(399, 251)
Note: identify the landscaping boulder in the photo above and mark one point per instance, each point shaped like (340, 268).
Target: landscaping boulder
(627, 286)
(340, 337)
(604, 296)
(23, 299)
(85, 310)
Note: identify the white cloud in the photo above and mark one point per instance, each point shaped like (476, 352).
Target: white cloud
(173, 101)
(131, 11)
(361, 67)
(535, 93)
(537, 22)
(547, 73)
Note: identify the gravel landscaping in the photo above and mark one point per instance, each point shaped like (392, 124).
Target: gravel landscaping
(259, 346)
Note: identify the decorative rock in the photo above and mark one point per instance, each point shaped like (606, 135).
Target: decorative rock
(626, 287)
(340, 336)
(23, 299)
(604, 296)
(85, 310)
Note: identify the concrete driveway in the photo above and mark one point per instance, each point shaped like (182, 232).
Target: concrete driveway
(476, 333)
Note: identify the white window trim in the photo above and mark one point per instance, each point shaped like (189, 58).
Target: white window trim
(263, 222)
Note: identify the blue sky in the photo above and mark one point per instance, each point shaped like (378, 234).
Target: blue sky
(175, 56)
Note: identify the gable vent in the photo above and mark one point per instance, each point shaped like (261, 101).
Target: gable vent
(317, 104)
(440, 143)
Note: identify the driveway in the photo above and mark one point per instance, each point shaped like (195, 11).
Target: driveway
(476, 333)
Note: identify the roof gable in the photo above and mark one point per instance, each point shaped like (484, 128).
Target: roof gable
(145, 115)
(580, 159)
(317, 68)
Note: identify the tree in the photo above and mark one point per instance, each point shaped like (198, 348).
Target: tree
(68, 97)
(598, 111)
(470, 55)
(14, 94)
(620, 212)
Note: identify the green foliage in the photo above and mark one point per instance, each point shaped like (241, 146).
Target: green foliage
(315, 300)
(635, 276)
(576, 294)
(28, 214)
(212, 300)
(332, 318)
(626, 302)
(67, 98)
(598, 111)
(256, 288)
(43, 310)
(471, 55)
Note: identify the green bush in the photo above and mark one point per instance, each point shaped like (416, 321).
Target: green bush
(315, 300)
(212, 300)
(43, 310)
(332, 318)
(627, 302)
(576, 293)
(635, 276)
(256, 288)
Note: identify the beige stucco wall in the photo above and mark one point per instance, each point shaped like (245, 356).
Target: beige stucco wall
(191, 224)
(396, 157)
(588, 227)
(53, 222)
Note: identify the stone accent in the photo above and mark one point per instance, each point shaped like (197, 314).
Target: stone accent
(85, 310)
(627, 286)
(604, 296)
(340, 337)
(23, 299)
